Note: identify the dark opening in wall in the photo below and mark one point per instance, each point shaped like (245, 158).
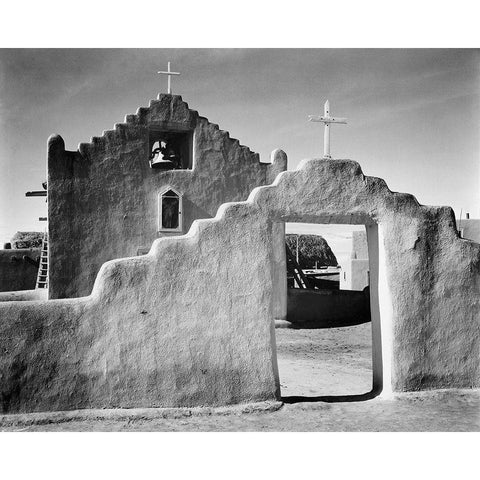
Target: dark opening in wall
(170, 149)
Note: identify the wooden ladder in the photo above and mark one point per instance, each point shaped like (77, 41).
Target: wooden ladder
(294, 269)
(42, 277)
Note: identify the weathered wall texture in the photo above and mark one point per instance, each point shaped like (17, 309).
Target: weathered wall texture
(359, 246)
(102, 199)
(15, 272)
(191, 323)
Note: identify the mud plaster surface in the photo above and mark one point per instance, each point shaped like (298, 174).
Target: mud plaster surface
(189, 324)
(316, 362)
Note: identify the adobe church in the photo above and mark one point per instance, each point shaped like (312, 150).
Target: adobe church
(166, 273)
(150, 177)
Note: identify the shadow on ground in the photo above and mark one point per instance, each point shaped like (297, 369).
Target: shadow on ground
(331, 398)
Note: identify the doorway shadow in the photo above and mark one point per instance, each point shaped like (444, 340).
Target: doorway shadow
(332, 398)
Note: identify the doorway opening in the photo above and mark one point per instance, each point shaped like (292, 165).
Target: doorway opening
(329, 346)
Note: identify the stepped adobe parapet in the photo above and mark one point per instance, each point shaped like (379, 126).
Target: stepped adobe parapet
(104, 199)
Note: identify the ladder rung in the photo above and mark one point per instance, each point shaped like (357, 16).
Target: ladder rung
(42, 275)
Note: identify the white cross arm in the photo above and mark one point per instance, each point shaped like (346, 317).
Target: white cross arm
(317, 118)
(170, 73)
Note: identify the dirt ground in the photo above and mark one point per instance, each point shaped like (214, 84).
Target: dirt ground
(312, 363)
(334, 361)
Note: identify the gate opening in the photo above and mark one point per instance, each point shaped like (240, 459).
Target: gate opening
(329, 346)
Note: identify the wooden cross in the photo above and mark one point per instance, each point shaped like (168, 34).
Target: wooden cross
(169, 73)
(327, 120)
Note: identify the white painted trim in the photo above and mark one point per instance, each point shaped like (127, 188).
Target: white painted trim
(180, 210)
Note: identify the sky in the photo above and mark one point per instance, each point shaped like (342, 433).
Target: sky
(413, 115)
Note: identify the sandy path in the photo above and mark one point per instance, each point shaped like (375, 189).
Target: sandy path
(336, 361)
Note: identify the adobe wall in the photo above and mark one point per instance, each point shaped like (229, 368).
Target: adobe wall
(192, 322)
(21, 295)
(359, 245)
(327, 308)
(355, 273)
(15, 272)
(102, 199)
(469, 228)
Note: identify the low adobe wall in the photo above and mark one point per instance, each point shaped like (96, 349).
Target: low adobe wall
(24, 295)
(15, 272)
(192, 322)
(327, 308)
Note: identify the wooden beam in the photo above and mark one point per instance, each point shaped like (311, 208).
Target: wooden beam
(36, 194)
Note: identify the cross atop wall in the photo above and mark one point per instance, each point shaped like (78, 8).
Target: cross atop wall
(327, 120)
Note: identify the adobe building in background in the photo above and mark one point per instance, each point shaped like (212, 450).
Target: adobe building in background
(19, 262)
(469, 228)
(150, 177)
(355, 274)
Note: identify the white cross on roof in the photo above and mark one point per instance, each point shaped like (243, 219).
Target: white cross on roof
(169, 73)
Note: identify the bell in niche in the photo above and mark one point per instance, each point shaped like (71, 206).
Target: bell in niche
(163, 157)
